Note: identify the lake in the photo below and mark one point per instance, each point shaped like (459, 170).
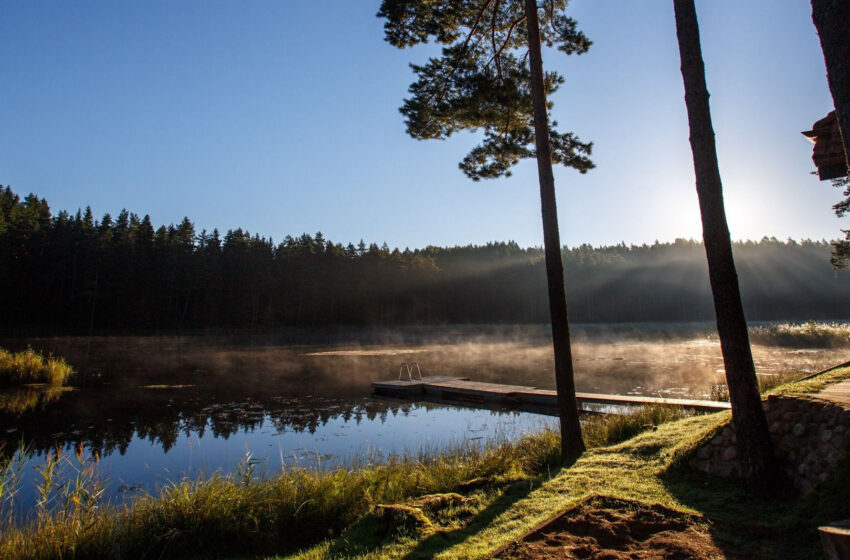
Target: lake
(158, 409)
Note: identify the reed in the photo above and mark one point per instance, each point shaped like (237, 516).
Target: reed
(810, 334)
(248, 512)
(245, 512)
(720, 391)
(605, 430)
(30, 366)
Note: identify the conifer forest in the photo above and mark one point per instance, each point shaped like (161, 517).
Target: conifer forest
(74, 273)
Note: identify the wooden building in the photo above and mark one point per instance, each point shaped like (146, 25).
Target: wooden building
(828, 153)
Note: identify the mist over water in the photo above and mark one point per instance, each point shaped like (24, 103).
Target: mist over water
(155, 409)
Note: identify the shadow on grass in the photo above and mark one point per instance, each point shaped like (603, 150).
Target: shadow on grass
(746, 525)
(443, 540)
(373, 532)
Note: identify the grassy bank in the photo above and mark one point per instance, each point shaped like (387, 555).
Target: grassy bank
(31, 367)
(245, 513)
(649, 468)
(462, 504)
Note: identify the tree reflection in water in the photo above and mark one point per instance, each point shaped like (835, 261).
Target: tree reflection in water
(236, 392)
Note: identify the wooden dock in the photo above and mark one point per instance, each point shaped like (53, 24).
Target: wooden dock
(460, 389)
(837, 392)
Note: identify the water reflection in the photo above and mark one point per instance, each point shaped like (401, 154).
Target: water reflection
(106, 419)
(159, 408)
(138, 455)
(156, 388)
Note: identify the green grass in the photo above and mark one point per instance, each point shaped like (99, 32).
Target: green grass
(243, 513)
(461, 504)
(605, 430)
(499, 515)
(650, 468)
(31, 367)
(812, 385)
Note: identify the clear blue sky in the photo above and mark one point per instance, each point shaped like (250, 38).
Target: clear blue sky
(282, 117)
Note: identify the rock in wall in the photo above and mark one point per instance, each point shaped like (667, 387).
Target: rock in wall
(809, 435)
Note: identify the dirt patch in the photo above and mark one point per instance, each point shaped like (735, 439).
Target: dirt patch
(604, 528)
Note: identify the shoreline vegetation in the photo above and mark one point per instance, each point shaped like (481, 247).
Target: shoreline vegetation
(248, 512)
(810, 334)
(460, 504)
(29, 367)
(28, 379)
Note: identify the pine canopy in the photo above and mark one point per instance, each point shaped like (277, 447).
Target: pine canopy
(482, 79)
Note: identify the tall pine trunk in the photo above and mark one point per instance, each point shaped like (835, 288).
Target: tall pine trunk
(832, 21)
(572, 445)
(755, 451)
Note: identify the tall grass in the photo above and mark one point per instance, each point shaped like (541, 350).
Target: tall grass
(241, 513)
(69, 492)
(246, 514)
(769, 382)
(606, 430)
(11, 467)
(720, 391)
(31, 367)
(802, 335)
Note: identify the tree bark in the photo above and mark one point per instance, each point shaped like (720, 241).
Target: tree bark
(572, 445)
(832, 21)
(755, 452)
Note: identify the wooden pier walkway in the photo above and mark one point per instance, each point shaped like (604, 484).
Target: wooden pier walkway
(460, 389)
(837, 392)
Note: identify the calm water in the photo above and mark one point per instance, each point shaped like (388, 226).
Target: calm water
(157, 409)
(313, 433)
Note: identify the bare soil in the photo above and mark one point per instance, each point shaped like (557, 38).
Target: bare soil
(604, 528)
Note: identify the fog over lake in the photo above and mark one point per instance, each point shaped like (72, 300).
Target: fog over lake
(157, 409)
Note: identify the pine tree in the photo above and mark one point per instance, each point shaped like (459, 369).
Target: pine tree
(490, 77)
(755, 452)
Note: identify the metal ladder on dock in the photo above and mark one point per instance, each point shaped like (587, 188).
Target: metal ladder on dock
(409, 367)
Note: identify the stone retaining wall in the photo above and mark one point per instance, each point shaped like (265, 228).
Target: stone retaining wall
(809, 436)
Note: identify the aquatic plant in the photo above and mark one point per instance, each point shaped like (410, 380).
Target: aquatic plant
(30, 366)
(810, 334)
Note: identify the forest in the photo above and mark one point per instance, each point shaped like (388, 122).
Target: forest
(74, 273)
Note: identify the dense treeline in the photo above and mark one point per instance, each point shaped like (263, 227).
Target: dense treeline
(74, 273)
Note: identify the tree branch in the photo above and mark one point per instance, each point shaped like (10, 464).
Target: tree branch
(493, 39)
(472, 31)
(474, 27)
(498, 53)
